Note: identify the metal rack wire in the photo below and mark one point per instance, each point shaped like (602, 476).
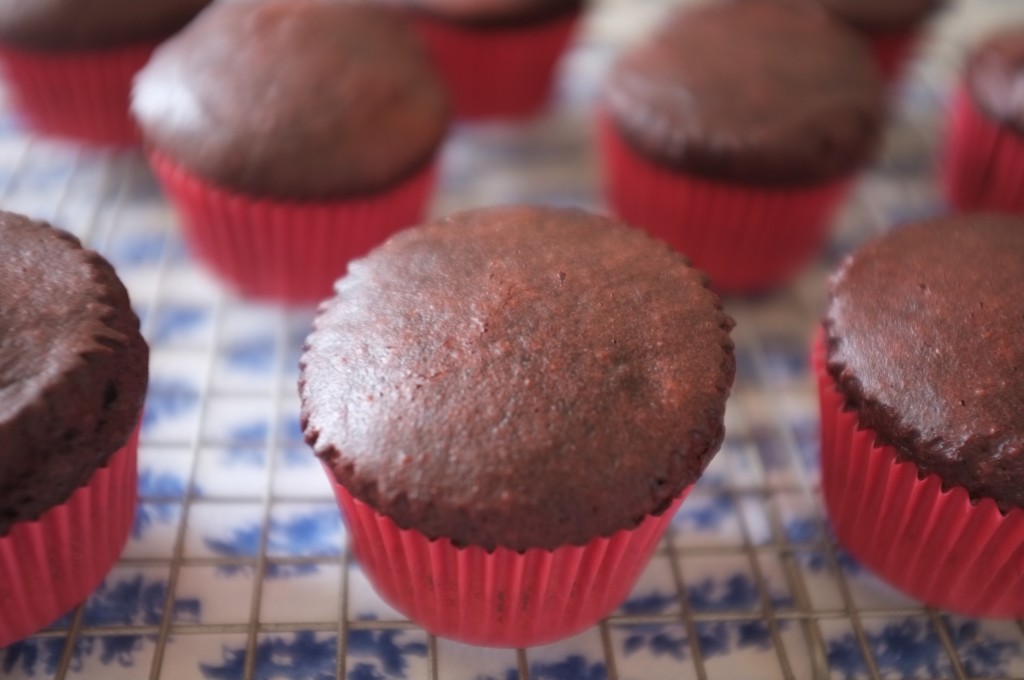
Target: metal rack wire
(796, 627)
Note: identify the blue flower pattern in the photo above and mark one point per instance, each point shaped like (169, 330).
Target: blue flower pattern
(136, 601)
(572, 667)
(168, 398)
(175, 321)
(137, 250)
(911, 648)
(311, 533)
(130, 601)
(382, 652)
(706, 514)
(148, 515)
(305, 657)
(254, 355)
(247, 443)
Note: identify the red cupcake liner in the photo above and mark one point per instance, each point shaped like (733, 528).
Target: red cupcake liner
(746, 238)
(983, 168)
(932, 543)
(502, 598)
(496, 72)
(50, 566)
(81, 95)
(891, 51)
(286, 250)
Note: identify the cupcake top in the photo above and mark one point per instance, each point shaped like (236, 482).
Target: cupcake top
(73, 367)
(294, 99)
(882, 15)
(750, 91)
(518, 377)
(924, 334)
(491, 11)
(87, 24)
(995, 77)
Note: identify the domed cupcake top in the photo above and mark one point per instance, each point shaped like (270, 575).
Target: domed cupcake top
(924, 331)
(73, 367)
(84, 24)
(750, 91)
(294, 99)
(518, 377)
(881, 15)
(995, 77)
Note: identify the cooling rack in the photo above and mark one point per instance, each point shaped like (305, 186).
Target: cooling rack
(237, 567)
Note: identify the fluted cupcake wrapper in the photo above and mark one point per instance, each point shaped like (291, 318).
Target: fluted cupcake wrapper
(502, 598)
(50, 566)
(286, 250)
(932, 543)
(983, 168)
(496, 72)
(78, 95)
(746, 238)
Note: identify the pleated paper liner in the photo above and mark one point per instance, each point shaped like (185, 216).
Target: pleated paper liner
(81, 95)
(983, 168)
(934, 544)
(286, 251)
(50, 566)
(497, 72)
(502, 598)
(746, 238)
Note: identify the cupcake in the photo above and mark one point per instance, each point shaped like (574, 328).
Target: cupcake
(921, 399)
(984, 164)
(735, 131)
(69, 63)
(511, 403)
(291, 135)
(497, 57)
(892, 26)
(73, 373)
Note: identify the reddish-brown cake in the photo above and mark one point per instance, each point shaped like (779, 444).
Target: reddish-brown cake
(520, 398)
(922, 439)
(892, 26)
(73, 374)
(292, 135)
(69, 63)
(721, 137)
(984, 163)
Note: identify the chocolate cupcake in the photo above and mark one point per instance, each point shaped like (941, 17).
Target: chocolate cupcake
(511, 403)
(73, 374)
(984, 164)
(292, 135)
(734, 132)
(922, 440)
(70, 63)
(497, 58)
(891, 25)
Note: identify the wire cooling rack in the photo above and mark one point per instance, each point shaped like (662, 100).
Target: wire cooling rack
(237, 566)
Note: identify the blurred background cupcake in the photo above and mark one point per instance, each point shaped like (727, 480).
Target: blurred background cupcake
(984, 163)
(497, 57)
(291, 136)
(735, 131)
(892, 26)
(68, 64)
